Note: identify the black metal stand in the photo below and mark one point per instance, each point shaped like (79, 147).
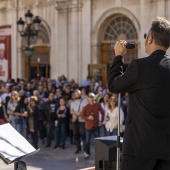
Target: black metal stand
(20, 165)
(118, 136)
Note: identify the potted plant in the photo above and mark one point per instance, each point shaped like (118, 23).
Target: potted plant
(28, 51)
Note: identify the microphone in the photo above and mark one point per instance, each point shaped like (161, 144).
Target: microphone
(128, 45)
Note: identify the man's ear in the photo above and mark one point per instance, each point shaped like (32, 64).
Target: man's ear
(150, 39)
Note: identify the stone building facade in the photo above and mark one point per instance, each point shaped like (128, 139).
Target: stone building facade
(77, 36)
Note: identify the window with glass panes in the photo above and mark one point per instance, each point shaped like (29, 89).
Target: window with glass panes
(118, 28)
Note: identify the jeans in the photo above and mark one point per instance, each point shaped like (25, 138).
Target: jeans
(42, 129)
(49, 129)
(20, 127)
(88, 138)
(60, 130)
(102, 131)
(34, 136)
(113, 133)
(79, 132)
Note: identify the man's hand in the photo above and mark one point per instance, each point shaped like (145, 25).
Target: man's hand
(100, 123)
(78, 113)
(91, 117)
(63, 115)
(120, 48)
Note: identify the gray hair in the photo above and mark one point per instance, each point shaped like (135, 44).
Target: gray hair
(160, 31)
(36, 92)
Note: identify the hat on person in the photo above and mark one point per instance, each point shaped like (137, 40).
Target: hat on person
(2, 46)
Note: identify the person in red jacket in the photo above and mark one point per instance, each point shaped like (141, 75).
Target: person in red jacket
(90, 114)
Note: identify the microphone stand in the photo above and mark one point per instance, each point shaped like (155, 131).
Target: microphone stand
(118, 135)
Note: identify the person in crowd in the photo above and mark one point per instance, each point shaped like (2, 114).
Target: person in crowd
(63, 79)
(45, 87)
(6, 93)
(3, 115)
(90, 114)
(33, 120)
(58, 95)
(41, 116)
(40, 90)
(78, 122)
(91, 88)
(124, 105)
(58, 82)
(99, 84)
(112, 117)
(104, 105)
(146, 143)
(28, 90)
(72, 82)
(3, 62)
(86, 82)
(33, 85)
(51, 107)
(21, 83)
(46, 96)
(42, 120)
(67, 93)
(21, 93)
(12, 104)
(70, 118)
(49, 86)
(99, 96)
(7, 99)
(61, 121)
(1, 88)
(21, 110)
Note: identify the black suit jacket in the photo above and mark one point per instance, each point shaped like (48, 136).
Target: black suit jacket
(147, 129)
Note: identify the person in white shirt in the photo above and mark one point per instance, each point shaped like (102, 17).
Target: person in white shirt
(112, 116)
(104, 105)
(3, 63)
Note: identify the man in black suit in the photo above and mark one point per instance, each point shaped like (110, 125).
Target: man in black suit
(146, 143)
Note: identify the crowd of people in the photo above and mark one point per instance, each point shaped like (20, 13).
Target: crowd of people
(49, 111)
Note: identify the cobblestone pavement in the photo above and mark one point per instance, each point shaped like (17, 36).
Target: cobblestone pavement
(54, 159)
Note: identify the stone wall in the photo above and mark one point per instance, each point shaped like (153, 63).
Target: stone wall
(74, 28)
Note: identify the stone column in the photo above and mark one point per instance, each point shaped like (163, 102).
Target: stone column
(86, 42)
(69, 38)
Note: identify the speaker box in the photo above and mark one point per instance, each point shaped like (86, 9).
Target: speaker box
(106, 152)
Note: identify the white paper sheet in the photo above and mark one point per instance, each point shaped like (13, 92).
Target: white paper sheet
(12, 144)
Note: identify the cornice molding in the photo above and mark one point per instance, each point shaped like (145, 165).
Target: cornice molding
(34, 5)
(68, 5)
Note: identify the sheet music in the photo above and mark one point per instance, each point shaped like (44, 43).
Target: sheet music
(12, 144)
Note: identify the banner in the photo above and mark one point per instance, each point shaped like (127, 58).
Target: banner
(5, 52)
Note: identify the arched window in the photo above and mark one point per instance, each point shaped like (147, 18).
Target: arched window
(42, 35)
(118, 27)
(41, 39)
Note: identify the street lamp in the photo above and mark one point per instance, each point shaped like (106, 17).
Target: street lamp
(31, 30)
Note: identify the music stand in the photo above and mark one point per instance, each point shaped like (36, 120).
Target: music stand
(14, 147)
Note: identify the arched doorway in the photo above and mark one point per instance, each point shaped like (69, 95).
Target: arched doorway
(115, 28)
(40, 61)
